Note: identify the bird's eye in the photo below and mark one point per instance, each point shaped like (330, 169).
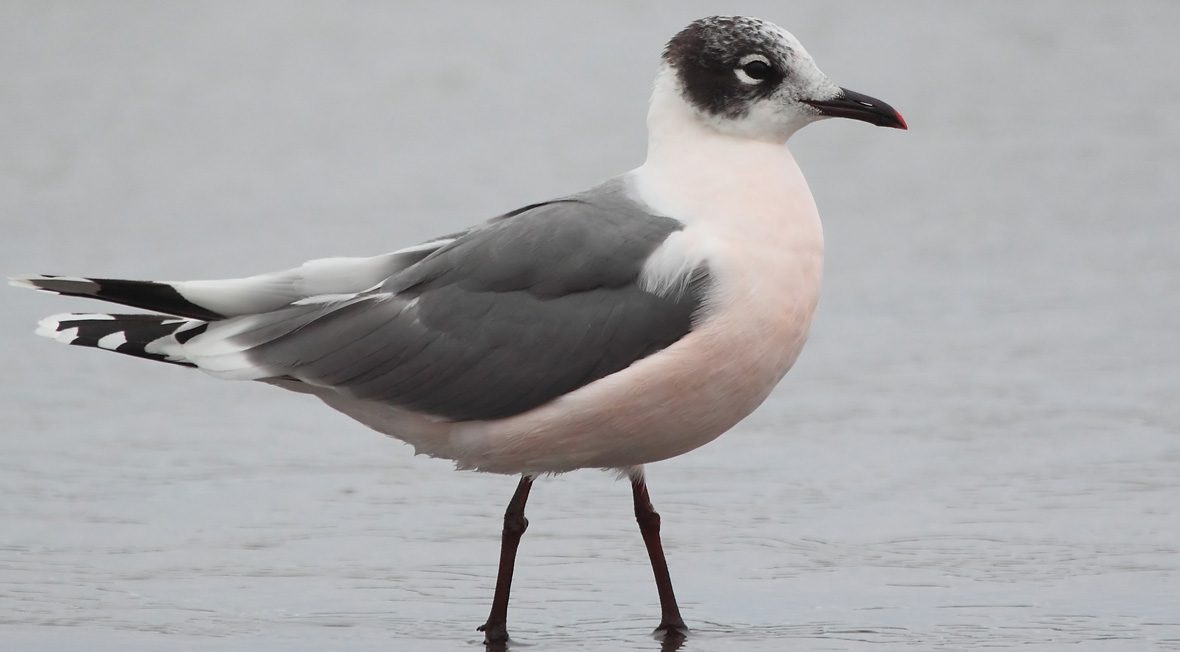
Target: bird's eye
(753, 69)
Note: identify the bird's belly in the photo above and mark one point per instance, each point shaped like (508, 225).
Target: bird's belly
(673, 401)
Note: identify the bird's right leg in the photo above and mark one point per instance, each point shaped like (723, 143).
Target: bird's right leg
(496, 628)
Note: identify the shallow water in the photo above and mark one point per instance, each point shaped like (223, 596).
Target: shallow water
(980, 446)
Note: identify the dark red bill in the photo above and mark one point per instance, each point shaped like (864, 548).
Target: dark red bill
(850, 104)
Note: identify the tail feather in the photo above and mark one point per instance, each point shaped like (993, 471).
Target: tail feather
(148, 295)
(154, 337)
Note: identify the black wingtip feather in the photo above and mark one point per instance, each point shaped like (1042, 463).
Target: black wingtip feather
(138, 331)
(148, 295)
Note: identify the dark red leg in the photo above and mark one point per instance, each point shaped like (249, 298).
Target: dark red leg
(671, 624)
(496, 628)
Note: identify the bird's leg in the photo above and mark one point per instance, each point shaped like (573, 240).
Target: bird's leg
(671, 624)
(496, 628)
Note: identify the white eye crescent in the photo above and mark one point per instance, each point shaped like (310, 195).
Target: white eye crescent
(753, 69)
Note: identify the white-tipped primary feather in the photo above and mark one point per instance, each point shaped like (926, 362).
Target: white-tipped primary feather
(22, 282)
(48, 327)
(112, 341)
(30, 281)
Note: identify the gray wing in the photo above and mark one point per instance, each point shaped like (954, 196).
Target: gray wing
(508, 316)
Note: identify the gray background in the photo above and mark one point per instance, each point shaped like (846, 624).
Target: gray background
(980, 446)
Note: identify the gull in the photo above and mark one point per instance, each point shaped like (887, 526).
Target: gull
(612, 328)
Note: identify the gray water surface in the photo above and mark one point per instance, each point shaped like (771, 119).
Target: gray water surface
(979, 448)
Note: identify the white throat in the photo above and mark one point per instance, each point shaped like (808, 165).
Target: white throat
(697, 173)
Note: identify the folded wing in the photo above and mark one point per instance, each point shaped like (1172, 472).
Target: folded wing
(505, 318)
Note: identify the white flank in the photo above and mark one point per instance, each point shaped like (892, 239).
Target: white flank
(668, 271)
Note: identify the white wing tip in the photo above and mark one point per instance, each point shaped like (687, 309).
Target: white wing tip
(34, 281)
(48, 327)
(26, 282)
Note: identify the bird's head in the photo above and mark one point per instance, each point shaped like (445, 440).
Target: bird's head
(751, 78)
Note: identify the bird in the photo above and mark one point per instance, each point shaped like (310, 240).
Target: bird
(611, 328)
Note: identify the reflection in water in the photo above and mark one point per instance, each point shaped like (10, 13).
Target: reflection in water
(672, 642)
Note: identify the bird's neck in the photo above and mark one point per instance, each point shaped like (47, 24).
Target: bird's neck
(700, 174)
